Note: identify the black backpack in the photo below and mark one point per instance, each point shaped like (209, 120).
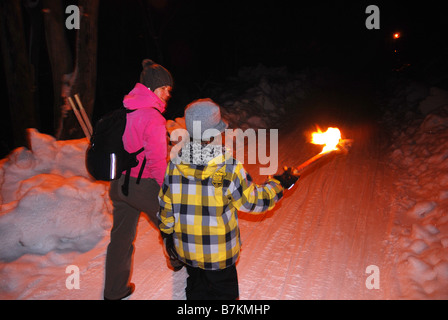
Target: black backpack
(106, 157)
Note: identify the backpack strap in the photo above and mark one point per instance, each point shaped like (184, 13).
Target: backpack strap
(142, 167)
(125, 186)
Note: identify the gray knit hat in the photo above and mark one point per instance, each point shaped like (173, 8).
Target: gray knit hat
(202, 115)
(154, 75)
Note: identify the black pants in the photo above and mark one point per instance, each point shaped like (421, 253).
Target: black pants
(212, 284)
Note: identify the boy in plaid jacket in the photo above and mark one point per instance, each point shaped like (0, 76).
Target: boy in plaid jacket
(202, 191)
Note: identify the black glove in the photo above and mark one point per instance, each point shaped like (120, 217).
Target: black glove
(169, 245)
(287, 179)
(170, 249)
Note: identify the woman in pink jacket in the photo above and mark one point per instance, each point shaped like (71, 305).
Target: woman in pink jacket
(145, 127)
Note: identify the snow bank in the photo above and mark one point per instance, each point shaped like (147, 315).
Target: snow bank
(48, 201)
(420, 157)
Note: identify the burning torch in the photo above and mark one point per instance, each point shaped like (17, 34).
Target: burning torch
(332, 142)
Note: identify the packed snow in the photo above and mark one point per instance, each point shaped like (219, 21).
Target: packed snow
(351, 214)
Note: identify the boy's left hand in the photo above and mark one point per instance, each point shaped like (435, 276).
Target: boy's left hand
(287, 179)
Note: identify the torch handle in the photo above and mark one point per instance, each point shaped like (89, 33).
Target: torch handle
(344, 146)
(302, 167)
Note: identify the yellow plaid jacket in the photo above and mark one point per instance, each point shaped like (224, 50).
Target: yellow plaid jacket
(199, 203)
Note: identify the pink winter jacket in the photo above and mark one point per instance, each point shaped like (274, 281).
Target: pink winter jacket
(145, 127)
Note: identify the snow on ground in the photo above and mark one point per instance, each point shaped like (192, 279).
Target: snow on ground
(380, 206)
(420, 153)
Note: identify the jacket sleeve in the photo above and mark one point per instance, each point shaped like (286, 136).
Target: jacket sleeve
(250, 197)
(166, 214)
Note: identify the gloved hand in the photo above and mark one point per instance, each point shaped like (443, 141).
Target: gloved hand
(287, 179)
(170, 249)
(168, 241)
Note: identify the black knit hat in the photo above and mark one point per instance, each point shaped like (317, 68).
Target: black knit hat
(154, 75)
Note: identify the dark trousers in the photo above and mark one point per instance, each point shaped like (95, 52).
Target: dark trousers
(143, 197)
(212, 284)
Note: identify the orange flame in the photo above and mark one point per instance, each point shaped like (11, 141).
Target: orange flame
(329, 139)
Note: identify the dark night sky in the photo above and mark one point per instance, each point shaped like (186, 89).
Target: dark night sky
(201, 41)
(208, 40)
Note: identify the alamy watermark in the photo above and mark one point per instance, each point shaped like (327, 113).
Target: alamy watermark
(373, 280)
(73, 280)
(73, 20)
(234, 141)
(373, 20)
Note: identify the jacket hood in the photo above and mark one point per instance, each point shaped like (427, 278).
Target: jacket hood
(199, 162)
(141, 97)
